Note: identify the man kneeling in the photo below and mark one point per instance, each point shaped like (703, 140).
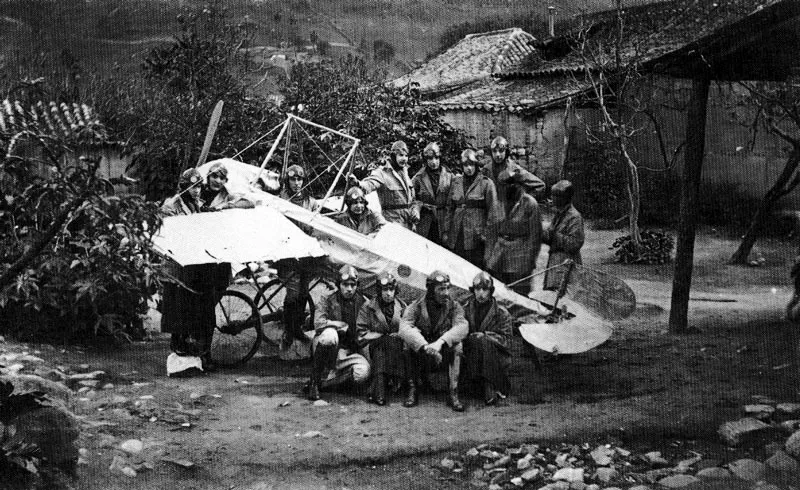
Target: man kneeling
(486, 348)
(433, 327)
(334, 350)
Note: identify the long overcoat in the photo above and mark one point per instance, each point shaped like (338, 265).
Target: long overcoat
(471, 211)
(431, 203)
(513, 245)
(565, 236)
(395, 193)
(496, 324)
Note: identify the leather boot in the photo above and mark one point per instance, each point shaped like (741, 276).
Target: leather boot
(378, 391)
(413, 397)
(454, 402)
(317, 367)
(490, 396)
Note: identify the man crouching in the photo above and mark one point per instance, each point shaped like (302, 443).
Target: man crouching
(433, 327)
(334, 350)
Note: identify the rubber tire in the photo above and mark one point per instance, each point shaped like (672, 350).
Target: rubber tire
(237, 347)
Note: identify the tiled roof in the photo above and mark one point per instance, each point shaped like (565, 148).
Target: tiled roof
(75, 123)
(475, 57)
(511, 95)
(650, 31)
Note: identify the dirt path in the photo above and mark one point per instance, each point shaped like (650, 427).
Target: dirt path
(251, 427)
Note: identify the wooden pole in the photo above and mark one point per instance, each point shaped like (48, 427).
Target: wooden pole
(690, 186)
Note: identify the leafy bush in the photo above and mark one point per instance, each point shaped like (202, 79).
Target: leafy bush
(656, 248)
(76, 261)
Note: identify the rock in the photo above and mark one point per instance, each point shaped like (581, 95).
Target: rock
(517, 481)
(312, 434)
(655, 458)
(108, 386)
(772, 448)
(602, 455)
(789, 426)
(132, 446)
(53, 430)
(120, 465)
(487, 453)
(622, 452)
(530, 475)
(733, 433)
(677, 481)
(748, 469)
(523, 463)
(577, 485)
(593, 486)
(25, 383)
(788, 408)
(781, 461)
(447, 464)
(473, 452)
(793, 445)
(91, 383)
(637, 487)
(715, 473)
(82, 376)
(605, 475)
(320, 403)
(495, 486)
(568, 474)
(559, 485)
(758, 409)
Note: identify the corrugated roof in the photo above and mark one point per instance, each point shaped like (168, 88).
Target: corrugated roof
(650, 31)
(512, 95)
(475, 57)
(75, 123)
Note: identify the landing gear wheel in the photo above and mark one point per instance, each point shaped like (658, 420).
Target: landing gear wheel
(238, 333)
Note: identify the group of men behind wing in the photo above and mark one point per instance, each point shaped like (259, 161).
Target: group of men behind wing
(487, 215)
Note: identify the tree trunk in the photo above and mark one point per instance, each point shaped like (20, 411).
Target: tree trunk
(783, 185)
(634, 195)
(690, 185)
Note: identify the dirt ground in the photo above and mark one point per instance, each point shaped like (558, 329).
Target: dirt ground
(251, 428)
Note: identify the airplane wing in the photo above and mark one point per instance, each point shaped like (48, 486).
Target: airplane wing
(261, 234)
(411, 258)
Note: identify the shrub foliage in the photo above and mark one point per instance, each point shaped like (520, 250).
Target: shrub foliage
(656, 248)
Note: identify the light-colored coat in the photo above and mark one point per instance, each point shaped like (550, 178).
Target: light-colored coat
(466, 215)
(370, 222)
(513, 245)
(395, 194)
(416, 328)
(373, 324)
(565, 236)
(328, 314)
(496, 324)
(433, 201)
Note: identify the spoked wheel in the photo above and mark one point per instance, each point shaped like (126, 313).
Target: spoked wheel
(238, 333)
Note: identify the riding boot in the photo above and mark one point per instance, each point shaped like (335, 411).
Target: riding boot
(490, 396)
(454, 371)
(317, 370)
(378, 390)
(412, 398)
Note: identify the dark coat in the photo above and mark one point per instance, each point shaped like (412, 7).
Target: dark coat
(471, 210)
(565, 237)
(431, 203)
(531, 182)
(513, 245)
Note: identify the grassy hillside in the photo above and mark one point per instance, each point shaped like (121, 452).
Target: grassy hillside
(99, 35)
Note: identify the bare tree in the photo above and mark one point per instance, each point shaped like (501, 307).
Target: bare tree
(779, 106)
(612, 54)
